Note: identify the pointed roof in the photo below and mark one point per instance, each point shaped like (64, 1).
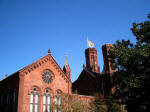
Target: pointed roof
(66, 60)
(66, 67)
(38, 63)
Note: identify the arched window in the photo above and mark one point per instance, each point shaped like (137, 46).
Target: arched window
(57, 101)
(14, 100)
(1, 103)
(47, 101)
(31, 101)
(34, 100)
(44, 103)
(7, 102)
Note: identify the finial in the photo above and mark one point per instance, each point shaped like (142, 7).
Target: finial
(84, 66)
(6, 75)
(49, 51)
(66, 59)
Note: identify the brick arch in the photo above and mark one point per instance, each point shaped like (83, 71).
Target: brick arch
(49, 89)
(58, 91)
(37, 87)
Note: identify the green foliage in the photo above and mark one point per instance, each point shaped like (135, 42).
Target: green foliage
(72, 103)
(99, 103)
(113, 105)
(131, 81)
(106, 104)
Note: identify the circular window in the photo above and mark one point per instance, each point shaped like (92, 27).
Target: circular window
(47, 76)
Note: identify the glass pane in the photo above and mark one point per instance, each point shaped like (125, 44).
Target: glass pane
(7, 98)
(36, 107)
(44, 108)
(31, 107)
(55, 99)
(36, 98)
(31, 98)
(44, 99)
(55, 110)
(59, 102)
(48, 108)
(48, 99)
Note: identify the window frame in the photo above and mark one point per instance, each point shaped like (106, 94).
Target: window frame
(47, 101)
(34, 100)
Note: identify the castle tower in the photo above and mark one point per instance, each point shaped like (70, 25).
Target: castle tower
(91, 60)
(66, 68)
(109, 62)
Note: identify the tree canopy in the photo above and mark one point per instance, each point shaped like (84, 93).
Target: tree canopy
(132, 79)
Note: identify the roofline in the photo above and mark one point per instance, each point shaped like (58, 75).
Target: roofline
(34, 63)
(9, 76)
(84, 95)
(87, 96)
(89, 73)
(86, 71)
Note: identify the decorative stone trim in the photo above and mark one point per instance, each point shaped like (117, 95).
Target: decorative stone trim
(41, 61)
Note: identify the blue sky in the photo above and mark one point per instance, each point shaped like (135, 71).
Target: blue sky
(28, 28)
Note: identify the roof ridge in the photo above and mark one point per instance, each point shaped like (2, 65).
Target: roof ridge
(89, 73)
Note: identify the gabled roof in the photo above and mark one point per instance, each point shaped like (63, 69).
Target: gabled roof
(38, 63)
(84, 72)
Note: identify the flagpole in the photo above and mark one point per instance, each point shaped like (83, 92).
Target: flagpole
(87, 42)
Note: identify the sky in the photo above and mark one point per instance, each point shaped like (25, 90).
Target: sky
(28, 28)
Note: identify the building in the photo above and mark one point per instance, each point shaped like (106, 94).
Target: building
(90, 80)
(35, 87)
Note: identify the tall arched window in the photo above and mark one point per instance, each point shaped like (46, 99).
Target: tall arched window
(34, 100)
(14, 100)
(57, 101)
(31, 101)
(7, 102)
(0, 101)
(47, 101)
(44, 103)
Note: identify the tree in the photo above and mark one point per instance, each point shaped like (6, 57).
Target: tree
(131, 81)
(70, 103)
(113, 104)
(105, 104)
(99, 103)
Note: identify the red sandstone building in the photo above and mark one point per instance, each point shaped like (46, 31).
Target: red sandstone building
(35, 87)
(91, 81)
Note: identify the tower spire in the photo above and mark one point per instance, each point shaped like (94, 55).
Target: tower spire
(66, 68)
(66, 60)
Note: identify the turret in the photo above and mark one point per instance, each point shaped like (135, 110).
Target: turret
(66, 68)
(109, 62)
(91, 60)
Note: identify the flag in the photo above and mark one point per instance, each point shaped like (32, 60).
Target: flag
(90, 43)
